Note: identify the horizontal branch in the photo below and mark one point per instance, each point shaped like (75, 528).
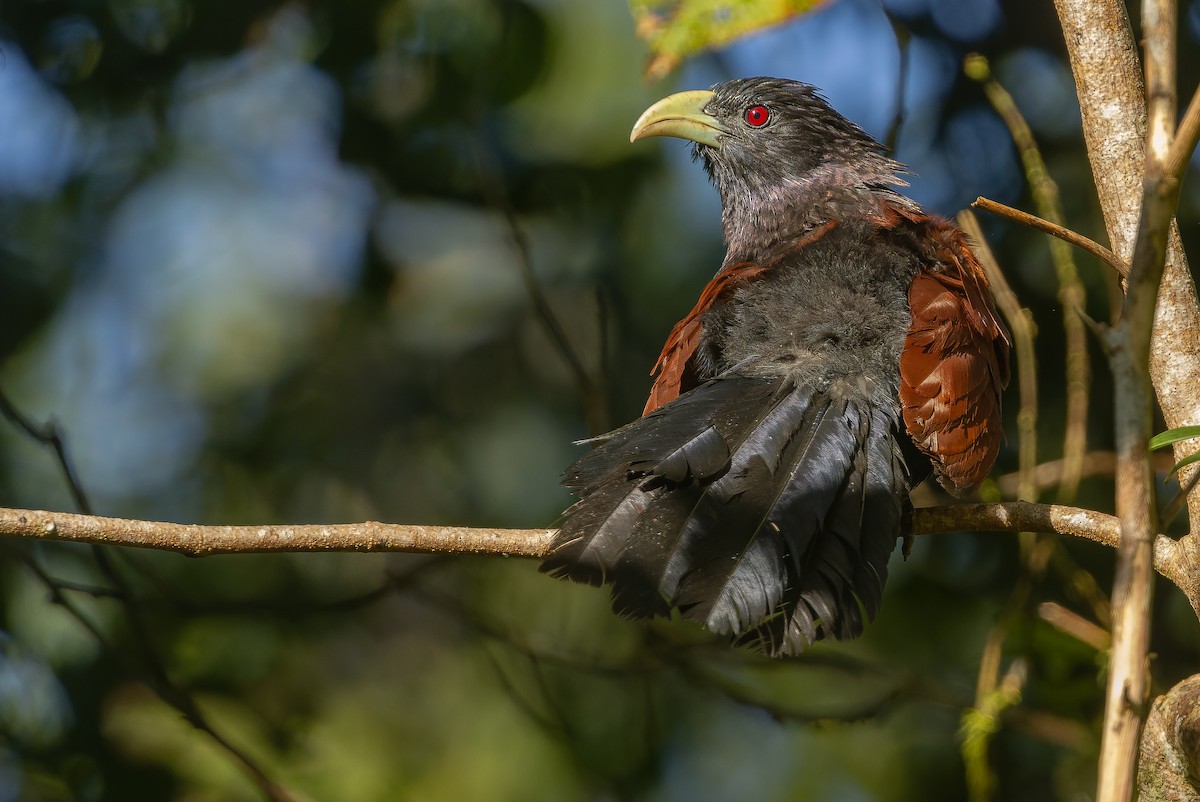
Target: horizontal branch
(371, 536)
(1022, 516)
(204, 541)
(1049, 475)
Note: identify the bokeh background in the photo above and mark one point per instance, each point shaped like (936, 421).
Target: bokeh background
(304, 262)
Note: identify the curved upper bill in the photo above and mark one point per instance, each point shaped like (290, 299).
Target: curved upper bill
(680, 115)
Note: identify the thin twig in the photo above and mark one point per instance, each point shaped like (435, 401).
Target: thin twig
(1048, 475)
(902, 36)
(497, 197)
(975, 738)
(151, 662)
(1082, 585)
(1037, 550)
(1185, 138)
(168, 693)
(495, 194)
(48, 434)
(1065, 234)
(549, 715)
(371, 536)
(981, 722)
(1096, 463)
(204, 541)
(1075, 625)
(1176, 505)
(1071, 293)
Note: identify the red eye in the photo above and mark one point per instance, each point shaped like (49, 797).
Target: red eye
(757, 116)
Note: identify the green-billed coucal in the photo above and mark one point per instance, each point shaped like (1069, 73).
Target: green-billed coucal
(847, 347)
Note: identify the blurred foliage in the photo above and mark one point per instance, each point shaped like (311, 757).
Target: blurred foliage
(270, 261)
(674, 30)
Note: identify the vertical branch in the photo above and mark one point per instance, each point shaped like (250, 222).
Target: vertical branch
(1126, 697)
(1103, 57)
(1160, 310)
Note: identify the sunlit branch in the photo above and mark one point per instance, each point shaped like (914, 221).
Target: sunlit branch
(203, 541)
(1054, 230)
(1128, 687)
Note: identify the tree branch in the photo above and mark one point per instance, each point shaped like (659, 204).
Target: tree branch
(1054, 230)
(1020, 323)
(1132, 161)
(51, 435)
(1128, 688)
(1071, 293)
(203, 541)
(1108, 79)
(1170, 767)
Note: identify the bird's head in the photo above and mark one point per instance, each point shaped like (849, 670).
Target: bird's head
(775, 149)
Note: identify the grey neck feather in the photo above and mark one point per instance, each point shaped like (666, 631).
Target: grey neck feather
(763, 215)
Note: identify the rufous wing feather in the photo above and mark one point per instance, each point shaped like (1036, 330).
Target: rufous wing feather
(954, 366)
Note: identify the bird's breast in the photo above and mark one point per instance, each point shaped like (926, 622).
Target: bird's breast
(836, 308)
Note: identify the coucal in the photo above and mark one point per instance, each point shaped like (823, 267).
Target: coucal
(847, 348)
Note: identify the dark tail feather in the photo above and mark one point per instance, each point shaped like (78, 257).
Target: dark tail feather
(845, 574)
(666, 455)
(763, 510)
(671, 539)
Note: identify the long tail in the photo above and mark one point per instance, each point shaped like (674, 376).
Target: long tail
(764, 510)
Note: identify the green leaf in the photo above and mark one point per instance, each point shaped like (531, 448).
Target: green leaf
(676, 29)
(1186, 461)
(1172, 436)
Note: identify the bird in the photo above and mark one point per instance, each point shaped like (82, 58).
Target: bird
(847, 349)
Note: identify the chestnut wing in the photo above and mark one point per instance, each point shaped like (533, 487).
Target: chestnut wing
(674, 372)
(954, 366)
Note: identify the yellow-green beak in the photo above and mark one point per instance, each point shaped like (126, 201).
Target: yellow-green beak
(680, 115)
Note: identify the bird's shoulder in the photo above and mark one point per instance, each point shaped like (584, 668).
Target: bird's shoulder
(955, 359)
